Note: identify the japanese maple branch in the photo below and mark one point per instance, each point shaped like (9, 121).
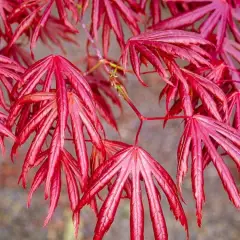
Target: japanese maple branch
(90, 38)
(143, 119)
(122, 91)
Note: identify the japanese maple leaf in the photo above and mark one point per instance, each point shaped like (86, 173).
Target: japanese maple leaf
(219, 13)
(188, 83)
(46, 148)
(204, 131)
(10, 73)
(45, 119)
(107, 13)
(54, 99)
(162, 47)
(38, 14)
(133, 163)
(40, 76)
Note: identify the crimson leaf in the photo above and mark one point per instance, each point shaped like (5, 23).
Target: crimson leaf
(160, 47)
(135, 163)
(220, 14)
(207, 131)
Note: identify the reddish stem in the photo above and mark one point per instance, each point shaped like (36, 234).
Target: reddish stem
(137, 112)
(142, 118)
(164, 118)
(138, 131)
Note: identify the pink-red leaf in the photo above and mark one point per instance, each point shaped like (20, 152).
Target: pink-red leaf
(135, 162)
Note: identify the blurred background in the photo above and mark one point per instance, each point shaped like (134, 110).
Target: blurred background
(220, 219)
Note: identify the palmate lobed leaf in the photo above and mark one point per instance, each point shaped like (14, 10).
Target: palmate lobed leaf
(43, 120)
(37, 13)
(219, 14)
(190, 87)
(65, 94)
(53, 155)
(47, 74)
(132, 162)
(162, 48)
(204, 131)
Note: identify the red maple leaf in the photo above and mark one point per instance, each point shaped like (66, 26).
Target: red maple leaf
(45, 119)
(47, 148)
(160, 47)
(187, 84)
(36, 13)
(133, 163)
(50, 109)
(201, 130)
(219, 13)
